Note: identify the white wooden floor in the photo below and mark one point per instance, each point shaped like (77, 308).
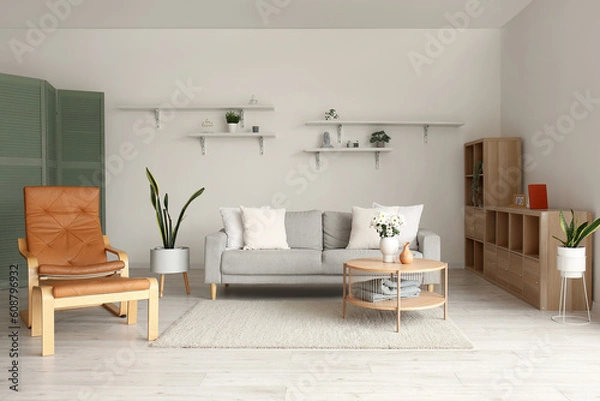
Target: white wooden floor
(520, 354)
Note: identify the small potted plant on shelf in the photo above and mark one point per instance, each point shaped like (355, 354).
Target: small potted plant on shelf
(571, 257)
(476, 197)
(380, 138)
(168, 258)
(233, 118)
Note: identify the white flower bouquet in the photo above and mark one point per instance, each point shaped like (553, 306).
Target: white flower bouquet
(387, 224)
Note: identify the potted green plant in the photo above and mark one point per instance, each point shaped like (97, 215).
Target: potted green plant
(476, 197)
(571, 257)
(232, 118)
(168, 258)
(380, 138)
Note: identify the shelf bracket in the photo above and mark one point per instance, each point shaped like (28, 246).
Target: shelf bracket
(203, 145)
(318, 160)
(425, 132)
(340, 131)
(242, 118)
(377, 160)
(157, 117)
(261, 143)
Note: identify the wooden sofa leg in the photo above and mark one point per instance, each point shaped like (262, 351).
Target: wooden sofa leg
(213, 291)
(153, 310)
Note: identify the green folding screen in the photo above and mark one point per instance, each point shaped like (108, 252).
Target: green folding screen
(47, 137)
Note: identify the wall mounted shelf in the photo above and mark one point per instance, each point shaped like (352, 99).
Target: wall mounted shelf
(376, 151)
(425, 124)
(242, 108)
(228, 135)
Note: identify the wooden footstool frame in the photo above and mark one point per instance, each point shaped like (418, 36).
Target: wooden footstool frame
(46, 304)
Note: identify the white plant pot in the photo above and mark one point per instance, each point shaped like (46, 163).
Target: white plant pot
(571, 261)
(232, 128)
(389, 248)
(166, 261)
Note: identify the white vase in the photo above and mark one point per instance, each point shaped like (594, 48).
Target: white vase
(389, 248)
(232, 128)
(166, 261)
(571, 261)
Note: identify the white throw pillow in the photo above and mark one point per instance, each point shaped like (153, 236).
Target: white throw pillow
(410, 228)
(232, 222)
(264, 228)
(362, 235)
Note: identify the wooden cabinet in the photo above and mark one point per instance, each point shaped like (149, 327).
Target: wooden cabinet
(520, 255)
(513, 247)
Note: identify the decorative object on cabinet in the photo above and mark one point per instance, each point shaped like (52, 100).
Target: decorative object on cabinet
(207, 125)
(538, 196)
(425, 124)
(233, 118)
(331, 114)
(380, 138)
(253, 100)
(168, 258)
(326, 141)
(519, 200)
(255, 128)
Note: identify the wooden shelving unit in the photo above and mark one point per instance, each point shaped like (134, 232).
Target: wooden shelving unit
(509, 246)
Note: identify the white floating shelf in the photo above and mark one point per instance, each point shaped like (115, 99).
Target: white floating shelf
(376, 151)
(424, 124)
(157, 109)
(255, 107)
(259, 135)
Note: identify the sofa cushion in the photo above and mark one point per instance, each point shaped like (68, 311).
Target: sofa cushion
(412, 220)
(264, 228)
(336, 229)
(334, 259)
(362, 234)
(278, 262)
(304, 229)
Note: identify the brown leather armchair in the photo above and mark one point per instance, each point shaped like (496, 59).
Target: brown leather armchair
(67, 262)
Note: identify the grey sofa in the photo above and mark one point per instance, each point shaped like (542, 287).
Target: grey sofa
(317, 253)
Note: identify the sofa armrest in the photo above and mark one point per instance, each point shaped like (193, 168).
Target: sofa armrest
(214, 245)
(429, 244)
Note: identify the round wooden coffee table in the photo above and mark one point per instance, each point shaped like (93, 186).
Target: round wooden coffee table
(357, 270)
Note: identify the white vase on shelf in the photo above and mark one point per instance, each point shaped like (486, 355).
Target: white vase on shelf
(389, 248)
(232, 128)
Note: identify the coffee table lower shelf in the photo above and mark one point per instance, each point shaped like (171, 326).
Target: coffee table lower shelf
(426, 300)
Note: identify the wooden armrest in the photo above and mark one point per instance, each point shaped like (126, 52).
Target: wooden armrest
(32, 262)
(122, 255)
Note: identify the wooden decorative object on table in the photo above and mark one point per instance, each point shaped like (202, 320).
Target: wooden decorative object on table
(406, 256)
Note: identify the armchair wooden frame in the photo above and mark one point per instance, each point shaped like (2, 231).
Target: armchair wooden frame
(44, 305)
(35, 279)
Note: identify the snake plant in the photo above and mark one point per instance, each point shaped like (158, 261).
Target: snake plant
(163, 216)
(575, 234)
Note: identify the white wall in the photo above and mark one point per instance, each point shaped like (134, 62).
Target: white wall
(364, 74)
(549, 60)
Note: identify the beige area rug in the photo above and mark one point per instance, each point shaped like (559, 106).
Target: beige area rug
(307, 324)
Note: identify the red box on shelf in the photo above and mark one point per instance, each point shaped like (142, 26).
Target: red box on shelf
(538, 196)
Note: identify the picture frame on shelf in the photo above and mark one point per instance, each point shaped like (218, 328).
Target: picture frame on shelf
(519, 200)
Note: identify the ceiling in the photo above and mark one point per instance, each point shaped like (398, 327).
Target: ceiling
(256, 14)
